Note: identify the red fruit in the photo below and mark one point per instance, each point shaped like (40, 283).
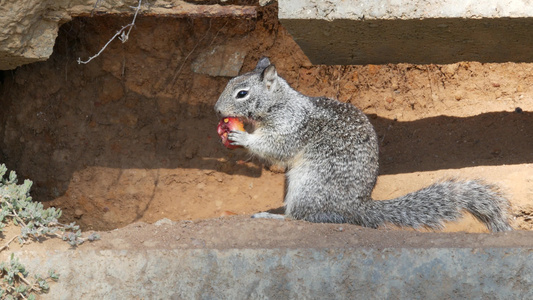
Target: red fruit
(225, 126)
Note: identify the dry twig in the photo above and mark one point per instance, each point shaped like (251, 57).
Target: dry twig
(121, 35)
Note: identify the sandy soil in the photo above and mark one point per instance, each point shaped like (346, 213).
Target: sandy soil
(131, 136)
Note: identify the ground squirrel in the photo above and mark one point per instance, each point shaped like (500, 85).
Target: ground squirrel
(330, 150)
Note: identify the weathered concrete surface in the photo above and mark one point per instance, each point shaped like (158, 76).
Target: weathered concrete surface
(336, 273)
(28, 28)
(403, 9)
(417, 31)
(237, 258)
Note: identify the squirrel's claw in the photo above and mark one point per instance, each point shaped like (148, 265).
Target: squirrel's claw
(238, 138)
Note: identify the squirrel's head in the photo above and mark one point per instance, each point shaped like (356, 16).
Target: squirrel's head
(250, 96)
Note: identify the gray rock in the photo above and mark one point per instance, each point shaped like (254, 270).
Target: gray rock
(221, 60)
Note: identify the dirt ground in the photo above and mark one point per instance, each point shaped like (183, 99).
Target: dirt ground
(131, 136)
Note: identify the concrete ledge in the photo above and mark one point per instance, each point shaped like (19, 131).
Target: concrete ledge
(240, 258)
(338, 273)
(422, 32)
(403, 9)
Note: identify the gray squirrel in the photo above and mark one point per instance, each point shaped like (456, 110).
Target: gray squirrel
(330, 150)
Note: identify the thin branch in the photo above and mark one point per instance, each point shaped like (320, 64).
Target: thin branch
(124, 38)
(15, 215)
(94, 8)
(29, 284)
(121, 35)
(178, 72)
(213, 40)
(7, 244)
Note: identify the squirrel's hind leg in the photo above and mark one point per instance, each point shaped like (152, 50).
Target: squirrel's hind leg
(320, 217)
(267, 215)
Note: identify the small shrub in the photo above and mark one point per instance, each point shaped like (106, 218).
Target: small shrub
(35, 222)
(16, 205)
(15, 283)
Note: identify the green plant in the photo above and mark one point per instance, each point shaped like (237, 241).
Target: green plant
(35, 222)
(17, 285)
(16, 205)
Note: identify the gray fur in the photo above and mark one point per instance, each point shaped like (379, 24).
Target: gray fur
(331, 152)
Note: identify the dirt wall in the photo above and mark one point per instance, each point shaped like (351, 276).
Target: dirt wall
(131, 135)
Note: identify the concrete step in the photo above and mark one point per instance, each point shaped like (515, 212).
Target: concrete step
(300, 273)
(341, 32)
(241, 258)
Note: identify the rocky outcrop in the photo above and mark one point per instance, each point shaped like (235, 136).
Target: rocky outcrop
(28, 28)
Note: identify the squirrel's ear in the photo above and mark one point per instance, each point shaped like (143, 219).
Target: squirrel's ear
(262, 64)
(269, 76)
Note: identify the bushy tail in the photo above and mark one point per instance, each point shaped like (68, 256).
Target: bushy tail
(443, 201)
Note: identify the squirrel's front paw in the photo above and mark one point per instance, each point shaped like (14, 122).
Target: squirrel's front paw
(238, 138)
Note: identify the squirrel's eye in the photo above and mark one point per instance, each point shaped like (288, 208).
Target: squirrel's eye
(242, 94)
